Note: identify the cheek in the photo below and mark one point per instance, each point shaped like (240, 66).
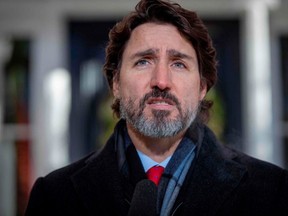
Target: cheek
(192, 94)
(130, 91)
(132, 87)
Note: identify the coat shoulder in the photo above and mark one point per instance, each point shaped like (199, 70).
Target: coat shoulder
(95, 157)
(67, 171)
(253, 164)
(48, 192)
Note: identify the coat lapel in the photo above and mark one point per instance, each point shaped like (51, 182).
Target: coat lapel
(100, 185)
(212, 179)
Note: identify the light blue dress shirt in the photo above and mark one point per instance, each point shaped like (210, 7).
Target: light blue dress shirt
(147, 162)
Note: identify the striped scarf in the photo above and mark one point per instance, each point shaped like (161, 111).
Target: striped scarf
(174, 175)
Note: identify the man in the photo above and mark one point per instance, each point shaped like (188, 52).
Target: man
(160, 63)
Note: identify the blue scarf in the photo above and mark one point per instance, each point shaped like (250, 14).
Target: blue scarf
(174, 175)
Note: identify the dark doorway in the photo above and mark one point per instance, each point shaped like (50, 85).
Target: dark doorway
(228, 105)
(87, 41)
(284, 78)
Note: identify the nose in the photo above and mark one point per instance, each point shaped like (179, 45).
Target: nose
(161, 77)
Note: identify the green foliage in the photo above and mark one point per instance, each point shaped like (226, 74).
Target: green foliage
(217, 120)
(107, 118)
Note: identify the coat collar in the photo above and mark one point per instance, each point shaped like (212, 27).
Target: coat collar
(211, 179)
(99, 184)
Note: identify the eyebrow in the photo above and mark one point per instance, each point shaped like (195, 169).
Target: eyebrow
(171, 52)
(147, 52)
(176, 54)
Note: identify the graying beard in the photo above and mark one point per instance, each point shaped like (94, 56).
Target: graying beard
(159, 126)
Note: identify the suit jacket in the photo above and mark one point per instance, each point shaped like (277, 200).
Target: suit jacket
(221, 181)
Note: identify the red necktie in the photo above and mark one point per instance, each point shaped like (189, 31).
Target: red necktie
(154, 174)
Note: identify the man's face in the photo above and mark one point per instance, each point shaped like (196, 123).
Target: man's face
(159, 84)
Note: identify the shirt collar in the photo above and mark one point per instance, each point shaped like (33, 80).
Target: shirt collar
(147, 162)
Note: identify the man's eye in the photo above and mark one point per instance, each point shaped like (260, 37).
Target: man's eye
(179, 65)
(142, 62)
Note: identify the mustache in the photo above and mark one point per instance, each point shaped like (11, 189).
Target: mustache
(156, 92)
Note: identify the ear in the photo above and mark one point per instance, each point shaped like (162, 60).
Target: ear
(203, 89)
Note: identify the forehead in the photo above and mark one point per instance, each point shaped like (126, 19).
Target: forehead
(157, 36)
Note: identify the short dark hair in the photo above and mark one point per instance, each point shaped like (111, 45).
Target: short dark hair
(189, 25)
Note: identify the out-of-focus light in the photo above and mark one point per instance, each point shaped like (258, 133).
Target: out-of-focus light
(57, 91)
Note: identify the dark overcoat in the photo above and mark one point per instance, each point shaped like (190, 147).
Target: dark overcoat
(222, 181)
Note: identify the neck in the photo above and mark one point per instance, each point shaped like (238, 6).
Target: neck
(157, 149)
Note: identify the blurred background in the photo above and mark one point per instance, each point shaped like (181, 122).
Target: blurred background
(55, 103)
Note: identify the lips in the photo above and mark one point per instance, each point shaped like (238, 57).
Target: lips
(160, 101)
